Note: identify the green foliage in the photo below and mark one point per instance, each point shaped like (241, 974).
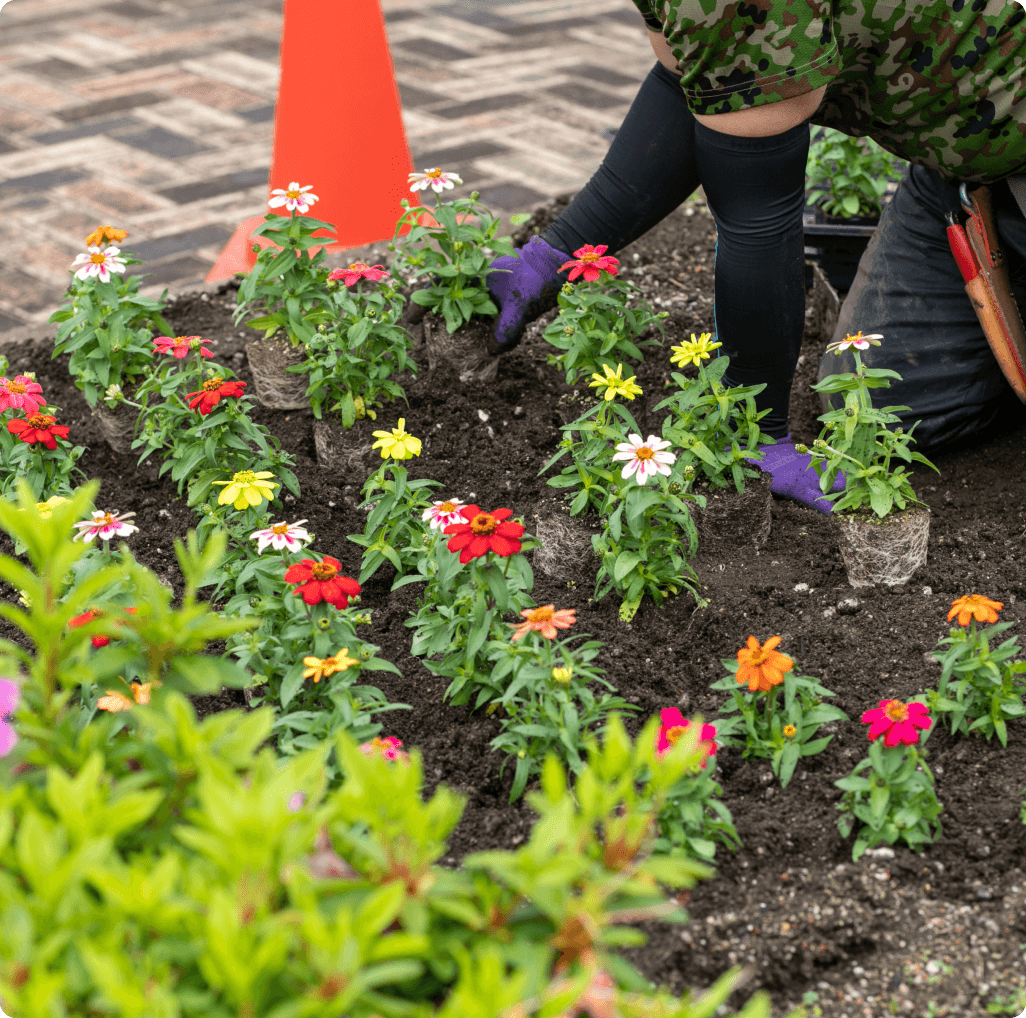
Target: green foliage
(892, 793)
(855, 439)
(764, 731)
(979, 689)
(108, 329)
(459, 267)
(287, 283)
(595, 327)
(855, 172)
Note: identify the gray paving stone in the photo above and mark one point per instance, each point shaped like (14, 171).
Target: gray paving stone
(493, 102)
(159, 59)
(511, 197)
(7, 322)
(394, 17)
(483, 18)
(549, 26)
(159, 141)
(163, 247)
(584, 96)
(27, 293)
(35, 182)
(182, 270)
(87, 130)
(259, 115)
(464, 153)
(433, 50)
(413, 98)
(30, 205)
(604, 75)
(57, 69)
(254, 46)
(73, 114)
(629, 16)
(6, 146)
(227, 10)
(129, 9)
(184, 194)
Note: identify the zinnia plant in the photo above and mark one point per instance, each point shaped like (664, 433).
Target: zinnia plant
(980, 689)
(891, 791)
(34, 446)
(782, 736)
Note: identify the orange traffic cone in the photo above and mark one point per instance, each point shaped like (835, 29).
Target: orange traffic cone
(337, 126)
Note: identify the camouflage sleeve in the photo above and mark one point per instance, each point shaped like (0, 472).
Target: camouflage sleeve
(654, 23)
(736, 54)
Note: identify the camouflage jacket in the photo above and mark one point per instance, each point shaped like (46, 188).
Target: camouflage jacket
(941, 83)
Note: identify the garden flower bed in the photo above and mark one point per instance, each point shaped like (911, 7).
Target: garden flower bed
(892, 932)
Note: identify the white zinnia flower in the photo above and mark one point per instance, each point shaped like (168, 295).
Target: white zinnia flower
(644, 458)
(99, 263)
(105, 526)
(281, 535)
(435, 179)
(293, 198)
(444, 514)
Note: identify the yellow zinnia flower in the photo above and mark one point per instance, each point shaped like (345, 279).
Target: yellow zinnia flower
(695, 352)
(247, 488)
(614, 384)
(318, 668)
(45, 509)
(396, 443)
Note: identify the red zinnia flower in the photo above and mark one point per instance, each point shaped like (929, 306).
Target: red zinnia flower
(358, 271)
(180, 346)
(80, 620)
(38, 428)
(483, 533)
(321, 581)
(898, 720)
(673, 727)
(589, 261)
(210, 395)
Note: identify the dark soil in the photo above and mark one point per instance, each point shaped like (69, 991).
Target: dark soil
(890, 934)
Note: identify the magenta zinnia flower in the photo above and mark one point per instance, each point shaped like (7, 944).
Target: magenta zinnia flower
(358, 271)
(589, 260)
(898, 720)
(674, 724)
(21, 393)
(180, 346)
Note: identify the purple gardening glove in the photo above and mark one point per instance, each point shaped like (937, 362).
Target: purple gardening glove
(529, 290)
(793, 476)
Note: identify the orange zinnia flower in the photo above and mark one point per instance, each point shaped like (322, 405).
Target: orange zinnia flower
(545, 620)
(974, 606)
(762, 667)
(115, 701)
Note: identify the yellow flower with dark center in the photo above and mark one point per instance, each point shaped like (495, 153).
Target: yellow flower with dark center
(247, 487)
(396, 443)
(790, 731)
(319, 668)
(614, 383)
(695, 352)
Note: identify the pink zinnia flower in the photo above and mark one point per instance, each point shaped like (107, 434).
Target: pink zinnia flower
(295, 198)
(435, 179)
(21, 393)
(281, 535)
(444, 514)
(674, 725)
(898, 720)
(358, 271)
(99, 263)
(645, 459)
(390, 748)
(8, 701)
(589, 261)
(180, 346)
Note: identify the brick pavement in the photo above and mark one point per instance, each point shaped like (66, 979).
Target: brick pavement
(156, 116)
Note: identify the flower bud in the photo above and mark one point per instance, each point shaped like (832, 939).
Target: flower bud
(365, 654)
(474, 195)
(850, 411)
(322, 329)
(568, 330)
(405, 203)
(521, 753)
(801, 448)
(675, 488)
(899, 431)
(206, 509)
(567, 288)
(254, 602)
(689, 472)
(663, 314)
(255, 248)
(819, 444)
(562, 675)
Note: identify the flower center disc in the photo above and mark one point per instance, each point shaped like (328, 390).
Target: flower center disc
(447, 507)
(98, 259)
(483, 523)
(674, 733)
(644, 453)
(244, 477)
(896, 711)
(211, 384)
(40, 420)
(543, 614)
(322, 571)
(108, 519)
(280, 528)
(15, 386)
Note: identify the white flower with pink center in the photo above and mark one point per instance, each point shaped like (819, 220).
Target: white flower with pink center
(294, 198)
(856, 341)
(281, 535)
(435, 179)
(21, 393)
(99, 263)
(644, 459)
(105, 526)
(444, 514)
(390, 748)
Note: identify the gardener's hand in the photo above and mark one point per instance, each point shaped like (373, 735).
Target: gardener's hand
(793, 476)
(528, 290)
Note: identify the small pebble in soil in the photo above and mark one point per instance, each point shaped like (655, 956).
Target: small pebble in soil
(927, 591)
(801, 588)
(849, 606)
(483, 416)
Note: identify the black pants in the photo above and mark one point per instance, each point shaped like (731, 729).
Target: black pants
(756, 192)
